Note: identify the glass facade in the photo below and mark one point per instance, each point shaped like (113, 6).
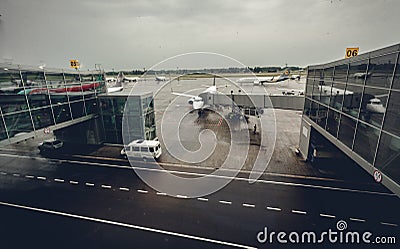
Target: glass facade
(357, 101)
(32, 99)
(138, 121)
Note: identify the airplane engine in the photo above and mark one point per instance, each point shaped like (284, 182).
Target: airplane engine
(190, 101)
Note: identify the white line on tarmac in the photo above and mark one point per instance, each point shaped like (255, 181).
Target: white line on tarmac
(182, 196)
(41, 178)
(142, 191)
(298, 212)
(389, 224)
(106, 186)
(159, 193)
(3, 173)
(225, 202)
(29, 177)
(357, 219)
(327, 216)
(123, 189)
(202, 199)
(89, 184)
(58, 180)
(274, 208)
(292, 184)
(248, 205)
(16, 174)
(73, 182)
(137, 227)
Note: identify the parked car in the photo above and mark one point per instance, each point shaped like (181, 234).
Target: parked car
(50, 145)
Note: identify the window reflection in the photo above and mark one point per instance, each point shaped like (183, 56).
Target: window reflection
(346, 130)
(388, 157)
(341, 73)
(392, 118)
(380, 71)
(337, 94)
(332, 123)
(357, 72)
(366, 141)
(373, 105)
(352, 100)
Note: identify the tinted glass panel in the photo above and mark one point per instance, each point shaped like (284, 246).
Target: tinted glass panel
(314, 111)
(321, 116)
(307, 107)
(380, 70)
(352, 100)
(337, 94)
(388, 158)
(373, 105)
(366, 141)
(346, 130)
(357, 72)
(396, 80)
(328, 74)
(392, 118)
(332, 123)
(341, 73)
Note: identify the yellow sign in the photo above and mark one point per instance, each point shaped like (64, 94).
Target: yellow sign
(350, 52)
(74, 63)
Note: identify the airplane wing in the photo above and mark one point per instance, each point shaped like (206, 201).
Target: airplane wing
(184, 95)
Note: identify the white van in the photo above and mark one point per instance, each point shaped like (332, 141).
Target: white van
(142, 149)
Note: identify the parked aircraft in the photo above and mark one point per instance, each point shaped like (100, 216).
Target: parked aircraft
(122, 78)
(269, 80)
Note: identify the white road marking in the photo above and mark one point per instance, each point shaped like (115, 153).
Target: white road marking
(106, 186)
(41, 178)
(389, 224)
(73, 182)
(89, 184)
(29, 177)
(123, 189)
(225, 202)
(137, 227)
(298, 211)
(327, 215)
(182, 196)
(248, 205)
(274, 208)
(202, 199)
(142, 191)
(16, 174)
(357, 219)
(58, 180)
(159, 193)
(292, 184)
(3, 173)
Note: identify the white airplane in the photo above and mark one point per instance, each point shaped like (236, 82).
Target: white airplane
(268, 80)
(197, 102)
(122, 78)
(110, 79)
(375, 105)
(160, 78)
(114, 89)
(295, 77)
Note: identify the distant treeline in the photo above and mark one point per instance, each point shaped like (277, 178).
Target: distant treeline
(210, 70)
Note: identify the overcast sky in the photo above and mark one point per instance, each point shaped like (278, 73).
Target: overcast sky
(128, 34)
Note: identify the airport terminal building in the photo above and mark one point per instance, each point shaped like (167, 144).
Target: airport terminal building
(355, 104)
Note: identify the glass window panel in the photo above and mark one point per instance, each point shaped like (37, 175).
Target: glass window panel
(309, 88)
(357, 72)
(366, 141)
(341, 73)
(321, 116)
(373, 105)
(307, 107)
(352, 100)
(337, 93)
(392, 118)
(61, 113)
(332, 123)
(326, 92)
(3, 133)
(316, 90)
(396, 79)
(42, 118)
(91, 106)
(346, 130)
(388, 157)
(78, 109)
(328, 74)
(314, 111)
(380, 71)
(106, 106)
(10, 81)
(17, 123)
